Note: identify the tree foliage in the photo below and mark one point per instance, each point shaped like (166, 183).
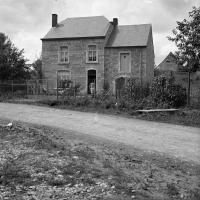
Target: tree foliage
(37, 69)
(186, 36)
(12, 61)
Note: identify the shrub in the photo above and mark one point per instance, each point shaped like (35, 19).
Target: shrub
(82, 101)
(109, 102)
(133, 94)
(71, 90)
(164, 91)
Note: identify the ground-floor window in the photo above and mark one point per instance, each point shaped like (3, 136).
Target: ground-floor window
(64, 79)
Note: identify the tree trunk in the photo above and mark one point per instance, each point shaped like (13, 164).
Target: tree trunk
(188, 93)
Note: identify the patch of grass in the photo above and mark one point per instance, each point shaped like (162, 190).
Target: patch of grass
(12, 169)
(172, 189)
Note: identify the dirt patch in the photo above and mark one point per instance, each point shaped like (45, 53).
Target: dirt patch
(38, 162)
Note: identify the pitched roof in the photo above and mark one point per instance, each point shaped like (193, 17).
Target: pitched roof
(78, 27)
(169, 63)
(130, 35)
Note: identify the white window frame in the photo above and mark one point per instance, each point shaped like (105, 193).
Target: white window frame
(87, 54)
(65, 52)
(128, 52)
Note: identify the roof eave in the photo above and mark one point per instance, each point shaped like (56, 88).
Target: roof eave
(71, 38)
(126, 46)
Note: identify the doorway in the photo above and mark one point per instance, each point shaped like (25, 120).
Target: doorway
(119, 85)
(91, 81)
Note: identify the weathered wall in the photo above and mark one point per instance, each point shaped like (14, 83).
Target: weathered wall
(150, 58)
(112, 62)
(77, 61)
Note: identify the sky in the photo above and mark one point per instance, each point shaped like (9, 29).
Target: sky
(25, 22)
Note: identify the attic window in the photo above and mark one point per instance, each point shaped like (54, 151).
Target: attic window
(92, 54)
(63, 54)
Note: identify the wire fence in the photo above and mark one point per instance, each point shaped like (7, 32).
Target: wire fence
(39, 89)
(53, 89)
(28, 89)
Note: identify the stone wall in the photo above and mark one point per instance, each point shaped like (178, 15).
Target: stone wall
(77, 65)
(112, 62)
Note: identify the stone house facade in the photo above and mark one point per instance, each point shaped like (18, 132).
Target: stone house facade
(93, 50)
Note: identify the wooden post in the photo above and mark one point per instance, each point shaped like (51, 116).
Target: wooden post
(188, 93)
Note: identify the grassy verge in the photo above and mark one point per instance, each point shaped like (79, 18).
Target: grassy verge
(185, 116)
(45, 163)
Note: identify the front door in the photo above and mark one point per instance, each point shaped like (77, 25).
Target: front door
(125, 62)
(91, 85)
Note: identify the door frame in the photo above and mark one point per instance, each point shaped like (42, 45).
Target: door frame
(121, 52)
(87, 79)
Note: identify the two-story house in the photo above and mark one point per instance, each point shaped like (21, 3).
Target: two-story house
(93, 50)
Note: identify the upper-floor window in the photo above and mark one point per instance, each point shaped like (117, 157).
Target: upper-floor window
(92, 54)
(63, 54)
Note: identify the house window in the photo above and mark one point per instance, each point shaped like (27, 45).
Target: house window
(64, 79)
(92, 55)
(63, 55)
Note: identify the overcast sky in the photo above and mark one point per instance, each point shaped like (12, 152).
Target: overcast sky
(26, 21)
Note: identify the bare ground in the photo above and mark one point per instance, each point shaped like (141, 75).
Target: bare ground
(39, 162)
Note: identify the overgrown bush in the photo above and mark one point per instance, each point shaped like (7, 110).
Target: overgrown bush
(5, 96)
(164, 91)
(133, 95)
(133, 90)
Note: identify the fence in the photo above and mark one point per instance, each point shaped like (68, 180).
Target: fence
(37, 89)
(52, 89)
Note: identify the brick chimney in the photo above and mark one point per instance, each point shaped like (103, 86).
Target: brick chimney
(115, 22)
(54, 20)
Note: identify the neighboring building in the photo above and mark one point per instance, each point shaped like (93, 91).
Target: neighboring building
(93, 50)
(170, 66)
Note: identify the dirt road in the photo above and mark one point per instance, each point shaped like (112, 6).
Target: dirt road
(174, 140)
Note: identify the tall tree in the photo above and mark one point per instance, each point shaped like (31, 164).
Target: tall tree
(186, 36)
(37, 66)
(12, 61)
